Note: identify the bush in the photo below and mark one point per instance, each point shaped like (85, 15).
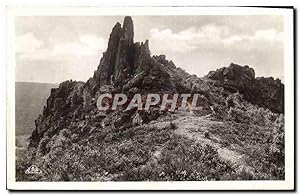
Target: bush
(185, 160)
(277, 148)
(173, 126)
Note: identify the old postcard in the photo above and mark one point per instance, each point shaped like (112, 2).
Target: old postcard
(150, 98)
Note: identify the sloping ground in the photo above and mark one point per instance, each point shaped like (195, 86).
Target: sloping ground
(245, 147)
(180, 146)
(198, 129)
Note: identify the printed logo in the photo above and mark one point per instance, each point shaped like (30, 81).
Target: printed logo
(33, 170)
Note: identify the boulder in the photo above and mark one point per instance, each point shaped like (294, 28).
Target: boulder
(266, 92)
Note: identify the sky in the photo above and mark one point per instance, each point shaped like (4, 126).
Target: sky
(52, 49)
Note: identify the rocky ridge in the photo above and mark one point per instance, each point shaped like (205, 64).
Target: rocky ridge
(125, 67)
(265, 92)
(129, 67)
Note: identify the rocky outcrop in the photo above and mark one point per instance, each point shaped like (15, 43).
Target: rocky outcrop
(265, 92)
(127, 66)
(233, 73)
(74, 141)
(122, 59)
(64, 105)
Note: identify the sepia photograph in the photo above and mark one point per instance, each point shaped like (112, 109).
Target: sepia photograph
(150, 98)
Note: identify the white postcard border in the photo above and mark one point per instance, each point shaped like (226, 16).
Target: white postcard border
(287, 184)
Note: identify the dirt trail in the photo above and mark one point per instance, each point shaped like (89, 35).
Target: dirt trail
(195, 128)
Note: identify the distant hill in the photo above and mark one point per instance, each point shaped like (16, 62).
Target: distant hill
(30, 99)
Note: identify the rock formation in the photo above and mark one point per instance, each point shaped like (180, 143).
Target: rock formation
(122, 59)
(73, 140)
(127, 66)
(266, 92)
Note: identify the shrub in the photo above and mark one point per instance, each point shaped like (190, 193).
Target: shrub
(277, 146)
(206, 134)
(173, 125)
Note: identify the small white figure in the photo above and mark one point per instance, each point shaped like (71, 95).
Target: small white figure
(212, 109)
(137, 120)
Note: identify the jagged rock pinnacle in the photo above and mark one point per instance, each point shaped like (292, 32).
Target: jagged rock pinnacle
(128, 28)
(122, 58)
(107, 63)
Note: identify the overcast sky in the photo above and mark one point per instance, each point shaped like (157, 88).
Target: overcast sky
(56, 48)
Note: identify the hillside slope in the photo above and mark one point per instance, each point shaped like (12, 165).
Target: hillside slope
(238, 134)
